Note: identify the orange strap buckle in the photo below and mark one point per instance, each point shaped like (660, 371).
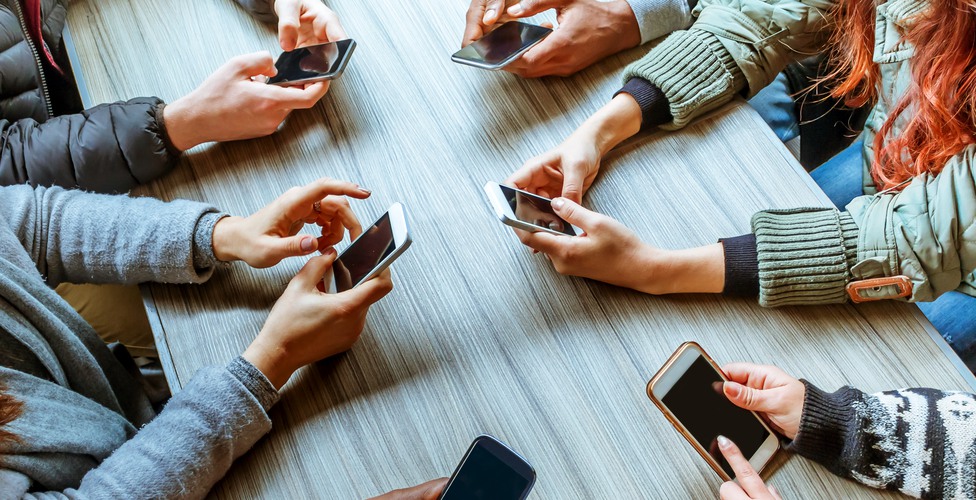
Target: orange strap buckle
(855, 288)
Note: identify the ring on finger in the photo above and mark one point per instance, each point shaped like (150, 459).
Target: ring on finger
(317, 207)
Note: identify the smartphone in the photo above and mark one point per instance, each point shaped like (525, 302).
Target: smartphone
(524, 210)
(501, 46)
(490, 470)
(371, 253)
(314, 63)
(688, 389)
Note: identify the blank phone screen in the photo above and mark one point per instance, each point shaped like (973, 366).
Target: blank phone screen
(483, 475)
(701, 406)
(508, 39)
(376, 244)
(535, 210)
(316, 61)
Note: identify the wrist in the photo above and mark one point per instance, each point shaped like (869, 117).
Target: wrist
(625, 22)
(612, 124)
(180, 128)
(270, 360)
(692, 270)
(226, 235)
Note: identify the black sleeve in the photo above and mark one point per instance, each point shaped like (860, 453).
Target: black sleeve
(109, 148)
(741, 266)
(655, 108)
(262, 10)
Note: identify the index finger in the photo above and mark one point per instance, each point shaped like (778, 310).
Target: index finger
(338, 208)
(748, 374)
(473, 29)
(745, 474)
(542, 241)
(295, 97)
(308, 194)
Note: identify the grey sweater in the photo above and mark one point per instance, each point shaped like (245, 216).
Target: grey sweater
(87, 429)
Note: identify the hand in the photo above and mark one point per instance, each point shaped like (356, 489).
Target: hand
(231, 104)
(571, 167)
(750, 486)
(589, 30)
(430, 490)
(769, 391)
(271, 234)
(306, 22)
(307, 325)
(609, 252)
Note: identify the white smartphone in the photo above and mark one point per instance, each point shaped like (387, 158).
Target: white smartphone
(527, 211)
(315, 63)
(371, 253)
(501, 46)
(688, 389)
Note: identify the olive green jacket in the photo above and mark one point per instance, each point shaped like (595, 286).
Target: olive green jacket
(926, 232)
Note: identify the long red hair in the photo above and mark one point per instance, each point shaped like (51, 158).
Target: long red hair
(942, 94)
(10, 409)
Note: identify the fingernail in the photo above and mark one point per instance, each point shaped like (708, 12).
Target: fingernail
(307, 245)
(515, 9)
(733, 389)
(489, 15)
(558, 203)
(723, 442)
(329, 252)
(364, 190)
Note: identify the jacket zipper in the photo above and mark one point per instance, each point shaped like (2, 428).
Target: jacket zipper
(45, 93)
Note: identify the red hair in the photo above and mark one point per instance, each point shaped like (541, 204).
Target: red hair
(941, 96)
(10, 409)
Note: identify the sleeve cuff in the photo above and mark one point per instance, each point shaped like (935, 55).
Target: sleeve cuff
(827, 420)
(203, 252)
(741, 266)
(694, 71)
(657, 18)
(173, 151)
(805, 255)
(254, 381)
(655, 109)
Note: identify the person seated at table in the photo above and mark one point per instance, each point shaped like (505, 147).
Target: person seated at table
(589, 30)
(75, 417)
(47, 138)
(920, 442)
(907, 231)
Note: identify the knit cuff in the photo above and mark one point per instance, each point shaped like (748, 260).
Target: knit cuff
(805, 255)
(255, 382)
(163, 132)
(694, 70)
(203, 252)
(741, 266)
(654, 106)
(826, 422)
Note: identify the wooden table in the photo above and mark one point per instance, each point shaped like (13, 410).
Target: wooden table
(480, 336)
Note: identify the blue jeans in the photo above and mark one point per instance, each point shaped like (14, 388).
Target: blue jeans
(953, 313)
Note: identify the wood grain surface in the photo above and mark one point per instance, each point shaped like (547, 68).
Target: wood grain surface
(481, 336)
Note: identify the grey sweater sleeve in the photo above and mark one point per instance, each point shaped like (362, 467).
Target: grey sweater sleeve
(109, 148)
(921, 442)
(191, 445)
(79, 237)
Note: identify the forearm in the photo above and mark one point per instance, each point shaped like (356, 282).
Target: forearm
(612, 124)
(692, 270)
(185, 450)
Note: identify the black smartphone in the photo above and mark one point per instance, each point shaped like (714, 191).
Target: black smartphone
(314, 63)
(491, 471)
(502, 46)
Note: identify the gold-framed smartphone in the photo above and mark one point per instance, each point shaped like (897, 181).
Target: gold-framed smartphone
(688, 389)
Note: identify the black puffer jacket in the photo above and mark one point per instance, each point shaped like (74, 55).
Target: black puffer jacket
(45, 136)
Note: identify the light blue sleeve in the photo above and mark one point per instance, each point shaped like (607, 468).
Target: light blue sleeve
(657, 18)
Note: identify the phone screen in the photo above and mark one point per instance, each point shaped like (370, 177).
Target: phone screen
(535, 210)
(313, 62)
(698, 402)
(485, 475)
(508, 39)
(376, 244)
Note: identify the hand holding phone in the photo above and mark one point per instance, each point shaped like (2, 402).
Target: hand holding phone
(490, 470)
(379, 245)
(689, 389)
(503, 45)
(527, 211)
(315, 63)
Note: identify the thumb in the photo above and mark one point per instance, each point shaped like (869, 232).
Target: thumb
(314, 270)
(573, 213)
(288, 23)
(746, 397)
(573, 185)
(527, 8)
(293, 246)
(254, 64)
(371, 291)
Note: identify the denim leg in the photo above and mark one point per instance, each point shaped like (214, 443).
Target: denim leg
(954, 315)
(841, 177)
(775, 105)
